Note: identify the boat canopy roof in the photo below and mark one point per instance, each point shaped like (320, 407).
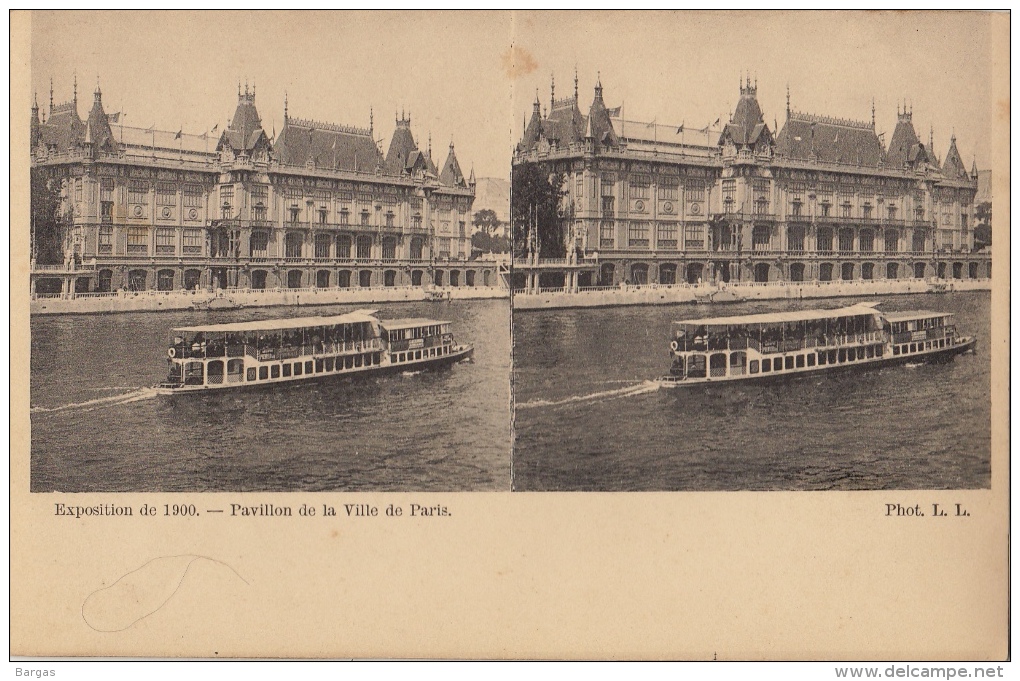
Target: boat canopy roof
(357, 317)
(783, 317)
(914, 314)
(409, 323)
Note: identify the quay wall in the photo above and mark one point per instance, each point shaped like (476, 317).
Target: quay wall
(147, 301)
(661, 294)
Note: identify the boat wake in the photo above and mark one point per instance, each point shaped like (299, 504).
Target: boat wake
(410, 373)
(134, 395)
(630, 391)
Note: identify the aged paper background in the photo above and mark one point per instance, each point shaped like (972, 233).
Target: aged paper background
(690, 576)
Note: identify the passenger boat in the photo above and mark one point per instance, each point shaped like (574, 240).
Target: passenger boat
(765, 346)
(285, 350)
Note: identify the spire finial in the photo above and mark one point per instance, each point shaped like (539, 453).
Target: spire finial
(575, 82)
(872, 113)
(75, 98)
(787, 100)
(371, 119)
(51, 95)
(239, 88)
(285, 105)
(246, 87)
(552, 90)
(430, 144)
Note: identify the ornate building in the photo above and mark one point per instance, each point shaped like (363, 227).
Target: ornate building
(318, 206)
(822, 200)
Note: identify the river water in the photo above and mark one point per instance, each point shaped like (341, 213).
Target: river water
(587, 419)
(98, 427)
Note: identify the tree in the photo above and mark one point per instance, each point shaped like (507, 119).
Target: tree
(487, 221)
(535, 199)
(983, 228)
(49, 225)
(482, 242)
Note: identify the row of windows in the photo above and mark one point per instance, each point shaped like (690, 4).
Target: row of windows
(811, 359)
(415, 355)
(908, 348)
(317, 366)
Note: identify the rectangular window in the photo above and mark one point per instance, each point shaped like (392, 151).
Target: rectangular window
(138, 240)
(192, 196)
(193, 241)
(444, 247)
(77, 189)
(666, 237)
(138, 191)
(364, 218)
(390, 218)
(766, 365)
(694, 237)
(729, 192)
(105, 239)
(800, 361)
(608, 185)
(106, 190)
(607, 234)
(166, 194)
(461, 227)
(608, 206)
(579, 188)
(165, 241)
(694, 191)
(345, 216)
(639, 186)
(638, 237)
(753, 366)
(811, 359)
(669, 189)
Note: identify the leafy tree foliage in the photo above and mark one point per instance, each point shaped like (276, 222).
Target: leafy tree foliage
(534, 205)
(983, 228)
(49, 225)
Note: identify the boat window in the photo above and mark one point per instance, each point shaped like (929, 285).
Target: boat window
(811, 359)
(851, 354)
(193, 373)
(235, 370)
(286, 370)
(832, 356)
(878, 351)
(214, 372)
(298, 366)
(358, 360)
(251, 374)
(329, 364)
(753, 366)
(319, 366)
(766, 365)
(789, 363)
(822, 357)
(308, 367)
(263, 373)
(871, 351)
(274, 371)
(417, 354)
(913, 347)
(842, 356)
(800, 361)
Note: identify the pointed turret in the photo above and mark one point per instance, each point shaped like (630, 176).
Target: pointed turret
(98, 125)
(600, 126)
(953, 167)
(35, 133)
(245, 135)
(403, 148)
(974, 170)
(471, 179)
(452, 174)
(747, 127)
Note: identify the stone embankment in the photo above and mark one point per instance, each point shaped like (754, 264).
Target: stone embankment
(669, 294)
(147, 301)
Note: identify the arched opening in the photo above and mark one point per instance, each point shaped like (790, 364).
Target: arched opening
(343, 247)
(469, 278)
(722, 271)
(165, 280)
(639, 273)
(389, 248)
(919, 270)
(365, 278)
(323, 242)
(454, 278)
(364, 246)
(738, 363)
(390, 278)
(294, 279)
(343, 279)
(214, 372)
(973, 270)
(219, 277)
(667, 273)
(941, 270)
(105, 281)
(551, 280)
(846, 240)
(437, 278)
(235, 371)
(192, 279)
(867, 241)
(137, 280)
(415, 277)
(258, 244)
(892, 271)
(583, 279)
(49, 286)
(292, 244)
(761, 272)
(846, 271)
(957, 270)
(486, 275)
(892, 241)
(694, 272)
(417, 247)
(607, 274)
(258, 280)
(797, 271)
(81, 285)
(322, 279)
(824, 239)
(825, 271)
(868, 271)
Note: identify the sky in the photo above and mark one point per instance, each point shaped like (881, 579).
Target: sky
(470, 77)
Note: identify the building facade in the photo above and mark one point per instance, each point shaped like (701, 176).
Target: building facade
(318, 206)
(821, 200)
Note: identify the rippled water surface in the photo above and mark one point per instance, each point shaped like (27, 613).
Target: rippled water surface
(587, 419)
(97, 425)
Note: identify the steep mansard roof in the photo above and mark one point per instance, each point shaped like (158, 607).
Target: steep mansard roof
(245, 130)
(807, 137)
(953, 167)
(327, 146)
(747, 126)
(905, 149)
(401, 156)
(451, 174)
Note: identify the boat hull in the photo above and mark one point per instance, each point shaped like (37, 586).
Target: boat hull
(459, 354)
(935, 356)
